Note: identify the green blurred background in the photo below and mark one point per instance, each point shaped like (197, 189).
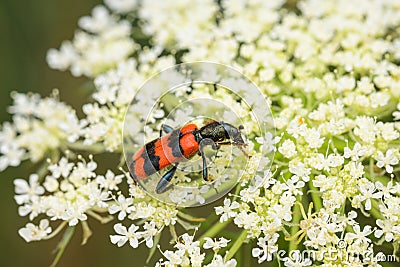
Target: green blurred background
(29, 29)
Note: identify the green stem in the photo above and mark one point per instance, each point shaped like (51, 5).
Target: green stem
(315, 197)
(63, 244)
(153, 249)
(371, 168)
(239, 257)
(246, 254)
(101, 219)
(189, 217)
(237, 192)
(238, 243)
(309, 101)
(295, 227)
(173, 233)
(352, 136)
(87, 233)
(55, 232)
(375, 210)
(188, 225)
(211, 220)
(214, 230)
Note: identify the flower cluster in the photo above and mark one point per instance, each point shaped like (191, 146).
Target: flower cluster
(103, 42)
(70, 192)
(329, 71)
(188, 253)
(40, 126)
(144, 211)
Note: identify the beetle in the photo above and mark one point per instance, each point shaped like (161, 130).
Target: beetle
(180, 144)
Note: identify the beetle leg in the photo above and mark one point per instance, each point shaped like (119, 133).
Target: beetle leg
(166, 128)
(165, 182)
(224, 143)
(203, 157)
(214, 146)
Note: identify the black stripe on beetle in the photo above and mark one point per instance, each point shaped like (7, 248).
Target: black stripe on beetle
(151, 162)
(175, 144)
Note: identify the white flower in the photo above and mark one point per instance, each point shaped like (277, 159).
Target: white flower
(387, 131)
(316, 238)
(188, 244)
(84, 55)
(387, 227)
(8, 134)
(51, 184)
(396, 114)
(26, 190)
(293, 185)
(123, 206)
(313, 138)
(300, 170)
(265, 181)
(218, 261)
(32, 232)
(335, 160)
(214, 244)
(227, 210)
(193, 18)
(359, 237)
(12, 155)
(75, 213)
(366, 129)
(387, 190)
(33, 208)
(97, 197)
(178, 195)
(174, 258)
(82, 171)
(37, 127)
(246, 220)
(125, 235)
(267, 247)
(150, 231)
(319, 161)
(387, 160)
(367, 191)
(357, 152)
(122, 6)
(63, 168)
(268, 142)
(287, 149)
(63, 58)
(73, 127)
(110, 181)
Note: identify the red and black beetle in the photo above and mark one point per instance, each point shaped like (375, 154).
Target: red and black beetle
(181, 144)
